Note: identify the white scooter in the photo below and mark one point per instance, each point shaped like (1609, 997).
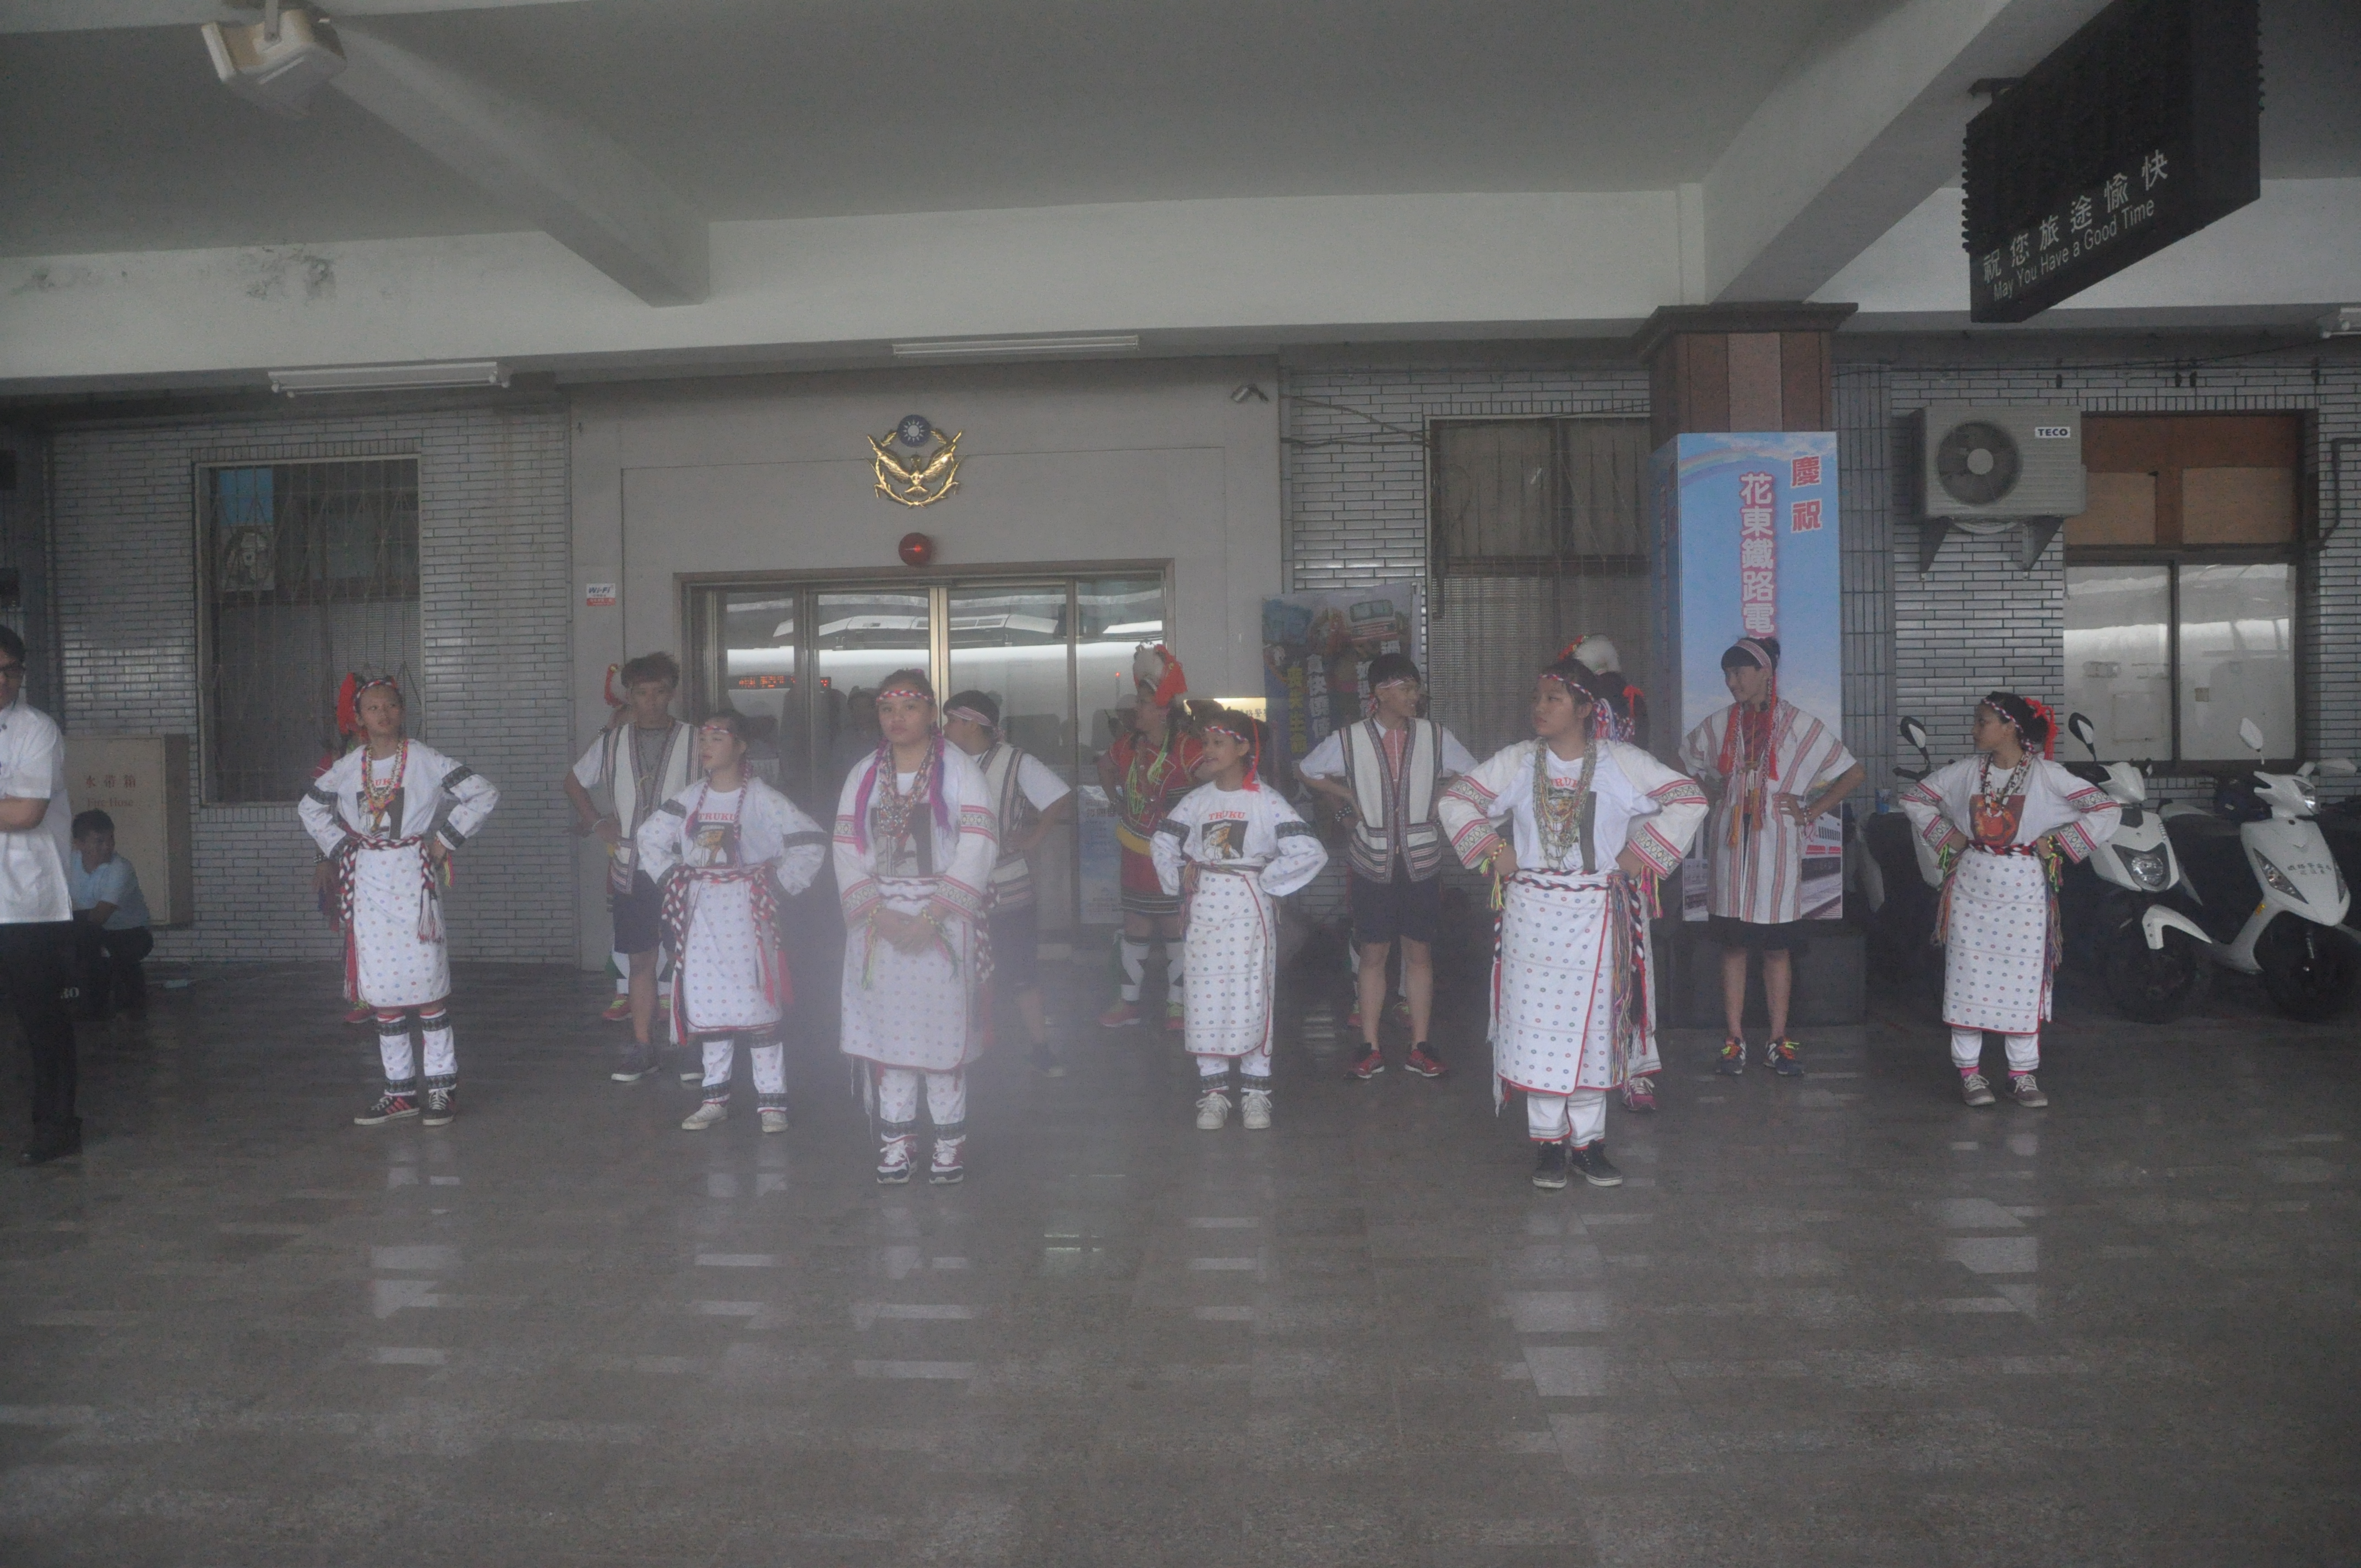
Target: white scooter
(2150, 955)
(2269, 893)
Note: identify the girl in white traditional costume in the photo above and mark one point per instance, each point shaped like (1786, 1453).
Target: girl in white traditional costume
(388, 815)
(1226, 851)
(915, 850)
(726, 852)
(1592, 823)
(2001, 824)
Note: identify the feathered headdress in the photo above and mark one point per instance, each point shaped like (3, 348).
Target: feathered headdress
(348, 714)
(613, 699)
(1152, 664)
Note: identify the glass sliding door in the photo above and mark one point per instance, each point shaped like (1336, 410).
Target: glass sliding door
(858, 637)
(1011, 640)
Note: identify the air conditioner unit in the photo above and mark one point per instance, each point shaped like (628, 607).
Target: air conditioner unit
(2000, 461)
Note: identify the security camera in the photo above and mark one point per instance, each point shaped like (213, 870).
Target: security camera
(278, 63)
(1248, 393)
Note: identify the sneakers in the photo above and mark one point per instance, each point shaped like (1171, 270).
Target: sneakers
(774, 1119)
(1549, 1167)
(1974, 1089)
(390, 1107)
(1785, 1058)
(1367, 1065)
(1732, 1060)
(1046, 1063)
(894, 1162)
(639, 1062)
(359, 1012)
(618, 1011)
(947, 1169)
(1212, 1110)
(1640, 1093)
(1423, 1062)
(712, 1113)
(1253, 1113)
(692, 1065)
(442, 1108)
(1176, 1015)
(1592, 1162)
(1121, 1015)
(2025, 1092)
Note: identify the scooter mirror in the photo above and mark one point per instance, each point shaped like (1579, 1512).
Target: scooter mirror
(2078, 725)
(2342, 767)
(2251, 735)
(1913, 734)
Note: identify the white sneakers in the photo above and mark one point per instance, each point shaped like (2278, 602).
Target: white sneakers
(1254, 1115)
(705, 1115)
(773, 1121)
(1212, 1110)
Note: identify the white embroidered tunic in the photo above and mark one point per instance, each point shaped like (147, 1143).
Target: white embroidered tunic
(1020, 786)
(1573, 1004)
(724, 859)
(1998, 914)
(915, 1010)
(1249, 846)
(395, 953)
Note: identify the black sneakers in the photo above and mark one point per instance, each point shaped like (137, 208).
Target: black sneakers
(641, 1063)
(1549, 1167)
(389, 1107)
(441, 1106)
(1592, 1162)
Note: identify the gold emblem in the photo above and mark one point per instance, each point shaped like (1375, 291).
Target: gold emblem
(929, 472)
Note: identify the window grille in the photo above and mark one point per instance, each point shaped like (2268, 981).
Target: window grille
(309, 570)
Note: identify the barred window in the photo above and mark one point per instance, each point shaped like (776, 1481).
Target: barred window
(308, 570)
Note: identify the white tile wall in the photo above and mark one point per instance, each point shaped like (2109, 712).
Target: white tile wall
(495, 609)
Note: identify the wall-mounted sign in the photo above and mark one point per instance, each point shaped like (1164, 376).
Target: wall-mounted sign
(2139, 130)
(917, 465)
(598, 595)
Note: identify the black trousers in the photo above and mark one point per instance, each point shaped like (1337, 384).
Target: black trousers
(33, 962)
(108, 964)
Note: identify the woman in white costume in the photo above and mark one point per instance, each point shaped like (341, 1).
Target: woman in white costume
(914, 848)
(388, 814)
(1592, 823)
(1226, 851)
(725, 853)
(2001, 823)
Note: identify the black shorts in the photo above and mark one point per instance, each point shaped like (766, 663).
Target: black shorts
(1383, 911)
(1785, 937)
(639, 915)
(1017, 948)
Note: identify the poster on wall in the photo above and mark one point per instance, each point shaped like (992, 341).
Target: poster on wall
(1316, 647)
(1747, 528)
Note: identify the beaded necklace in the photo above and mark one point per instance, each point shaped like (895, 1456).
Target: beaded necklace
(2012, 785)
(1139, 794)
(895, 808)
(1562, 817)
(376, 800)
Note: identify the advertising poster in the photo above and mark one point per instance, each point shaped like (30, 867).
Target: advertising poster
(1748, 533)
(1315, 645)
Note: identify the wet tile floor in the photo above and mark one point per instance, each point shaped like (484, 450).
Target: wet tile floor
(1839, 1321)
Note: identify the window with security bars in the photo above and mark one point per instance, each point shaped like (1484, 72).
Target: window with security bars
(1539, 534)
(309, 570)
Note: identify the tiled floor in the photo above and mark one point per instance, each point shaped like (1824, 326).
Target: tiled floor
(1834, 1321)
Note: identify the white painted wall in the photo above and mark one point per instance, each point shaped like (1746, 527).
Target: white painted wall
(1061, 464)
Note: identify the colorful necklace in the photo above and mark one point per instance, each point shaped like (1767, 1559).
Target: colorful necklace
(1137, 794)
(376, 800)
(895, 808)
(2013, 784)
(1561, 817)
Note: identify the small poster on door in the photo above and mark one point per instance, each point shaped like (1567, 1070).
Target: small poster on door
(1316, 647)
(598, 595)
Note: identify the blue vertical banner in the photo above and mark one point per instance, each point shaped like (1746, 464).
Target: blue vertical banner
(1747, 547)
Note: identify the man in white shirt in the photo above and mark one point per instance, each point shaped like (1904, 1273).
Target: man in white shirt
(1028, 801)
(35, 911)
(1385, 775)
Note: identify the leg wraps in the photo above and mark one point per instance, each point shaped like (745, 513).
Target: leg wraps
(2024, 1052)
(898, 1100)
(1135, 968)
(1967, 1049)
(442, 1051)
(770, 1062)
(394, 1049)
(622, 962)
(946, 1103)
(721, 1061)
(1579, 1118)
(1172, 967)
(1256, 1063)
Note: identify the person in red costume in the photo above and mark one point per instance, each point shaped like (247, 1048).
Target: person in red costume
(1145, 773)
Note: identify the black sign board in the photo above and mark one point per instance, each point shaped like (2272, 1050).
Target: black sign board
(2139, 130)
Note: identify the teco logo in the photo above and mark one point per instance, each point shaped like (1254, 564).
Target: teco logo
(2053, 433)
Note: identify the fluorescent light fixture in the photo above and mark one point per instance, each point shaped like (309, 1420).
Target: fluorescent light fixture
(389, 378)
(979, 347)
(2344, 321)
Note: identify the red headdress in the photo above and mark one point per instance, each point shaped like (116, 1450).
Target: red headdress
(349, 713)
(1152, 664)
(2048, 724)
(612, 700)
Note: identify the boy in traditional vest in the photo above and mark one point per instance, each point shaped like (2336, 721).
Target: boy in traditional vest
(642, 759)
(1384, 775)
(1028, 801)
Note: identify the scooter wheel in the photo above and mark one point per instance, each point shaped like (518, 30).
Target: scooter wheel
(2150, 985)
(2309, 971)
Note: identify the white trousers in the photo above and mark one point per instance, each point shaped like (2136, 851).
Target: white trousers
(898, 1102)
(769, 1063)
(1967, 1051)
(401, 1063)
(1256, 1063)
(1579, 1118)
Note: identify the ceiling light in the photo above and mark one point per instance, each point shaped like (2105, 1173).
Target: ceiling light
(277, 63)
(978, 348)
(389, 378)
(2344, 321)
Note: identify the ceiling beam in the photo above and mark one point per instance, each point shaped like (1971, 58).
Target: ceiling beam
(100, 15)
(573, 183)
(1866, 123)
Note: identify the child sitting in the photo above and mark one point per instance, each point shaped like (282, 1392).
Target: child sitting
(110, 933)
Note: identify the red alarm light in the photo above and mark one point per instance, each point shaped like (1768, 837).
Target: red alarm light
(916, 549)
